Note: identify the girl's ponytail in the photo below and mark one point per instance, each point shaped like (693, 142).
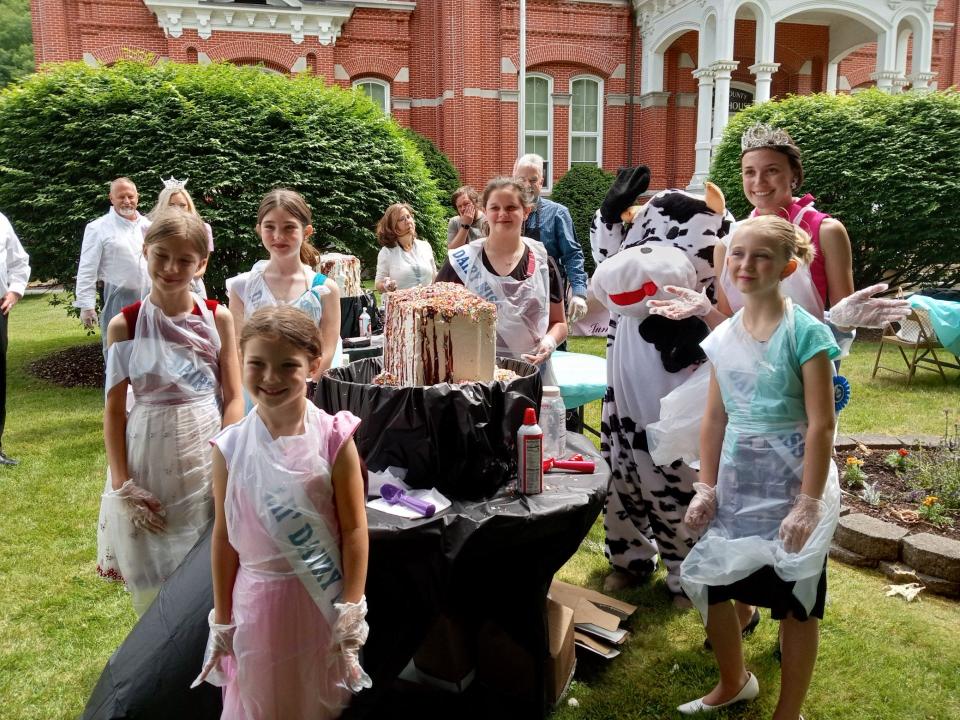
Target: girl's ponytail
(309, 255)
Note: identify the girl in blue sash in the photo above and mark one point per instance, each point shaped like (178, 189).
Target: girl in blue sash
(289, 540)
(768, 494)
(287, 278)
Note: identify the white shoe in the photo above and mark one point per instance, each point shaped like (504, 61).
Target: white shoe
(749, 691)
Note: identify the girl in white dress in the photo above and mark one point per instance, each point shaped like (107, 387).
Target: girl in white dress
(404, 261)
(167, 347)
(287, 278)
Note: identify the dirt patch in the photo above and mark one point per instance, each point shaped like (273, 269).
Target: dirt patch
(900, 494)
(79, 366)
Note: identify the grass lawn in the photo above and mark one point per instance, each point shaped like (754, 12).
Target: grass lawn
(880, 657)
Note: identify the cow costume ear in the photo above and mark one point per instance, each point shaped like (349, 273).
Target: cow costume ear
(714, 198)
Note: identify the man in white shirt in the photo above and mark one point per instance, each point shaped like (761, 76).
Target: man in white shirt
(14, 274)
(113, 252)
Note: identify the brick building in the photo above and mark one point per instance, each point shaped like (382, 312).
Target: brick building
(608, 82)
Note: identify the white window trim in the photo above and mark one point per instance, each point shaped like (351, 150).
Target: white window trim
(599, 133)
(376, 81)
(548, 178)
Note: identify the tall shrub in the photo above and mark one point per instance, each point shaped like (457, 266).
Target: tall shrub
(439, 165)
(884, 165)
(234, 132)
(582, 190)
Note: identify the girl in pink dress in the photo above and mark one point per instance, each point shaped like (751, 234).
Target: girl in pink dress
(290, 538)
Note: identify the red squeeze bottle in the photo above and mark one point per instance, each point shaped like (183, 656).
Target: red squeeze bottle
(530, 455)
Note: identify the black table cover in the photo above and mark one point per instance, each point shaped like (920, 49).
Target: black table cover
(491, 560)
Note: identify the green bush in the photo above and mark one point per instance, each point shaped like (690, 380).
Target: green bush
(439, 165)
(235, 132)
(582, 190)
(884, 165)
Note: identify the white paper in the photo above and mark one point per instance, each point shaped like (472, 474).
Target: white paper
(393, 475)
(432, 496)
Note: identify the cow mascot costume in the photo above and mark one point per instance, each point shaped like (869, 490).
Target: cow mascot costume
(639, 251)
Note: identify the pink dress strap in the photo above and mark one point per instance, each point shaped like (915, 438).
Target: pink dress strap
(810, 221)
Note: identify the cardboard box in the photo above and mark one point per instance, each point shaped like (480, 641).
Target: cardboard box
(502, 664)
(562, 660)
(447, 657)
(596, 618)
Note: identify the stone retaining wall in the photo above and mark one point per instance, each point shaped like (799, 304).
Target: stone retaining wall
(931, 560)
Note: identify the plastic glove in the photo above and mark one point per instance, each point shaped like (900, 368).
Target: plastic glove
(576, 309)
(219, 645)
(859, 309)
(89, 318)
(800, 522)
(350, 632)
(629, 185)
(543, 350)
(147, 512)
(702, 508)
(688, 303)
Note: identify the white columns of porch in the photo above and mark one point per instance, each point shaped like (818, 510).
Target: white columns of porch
(763, 72)
(721, 97)
(703, 145)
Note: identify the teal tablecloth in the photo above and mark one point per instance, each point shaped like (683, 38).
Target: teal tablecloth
(945, 318)
(581, 378)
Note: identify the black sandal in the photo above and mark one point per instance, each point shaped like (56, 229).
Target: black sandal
(745, 632)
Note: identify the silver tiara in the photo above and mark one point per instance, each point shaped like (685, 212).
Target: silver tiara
(761, 135)
(172, 183)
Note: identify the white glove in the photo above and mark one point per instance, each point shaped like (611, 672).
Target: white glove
(543, 350)
(688, 303)
(800, 522)
(859, 309)
(702, 508)
(350, 632)
(147, 512)
(89, 318)
(576, 309)
(219, 645)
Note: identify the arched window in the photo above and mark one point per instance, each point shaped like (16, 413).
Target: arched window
(376, 90)
(586, 121)
(538, 122)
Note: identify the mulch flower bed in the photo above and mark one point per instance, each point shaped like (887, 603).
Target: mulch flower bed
(79, 366)
(903, 495)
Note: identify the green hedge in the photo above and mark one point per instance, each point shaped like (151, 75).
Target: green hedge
(886, 166)
(439, 165)
(235, 132)
(582, 190)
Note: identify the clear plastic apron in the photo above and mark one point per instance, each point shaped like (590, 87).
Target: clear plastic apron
(761, 469)
(274, 478)
(173, 367)
(523, 306)
(258, 295)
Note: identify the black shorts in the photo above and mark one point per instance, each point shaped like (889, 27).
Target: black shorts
(764, 588)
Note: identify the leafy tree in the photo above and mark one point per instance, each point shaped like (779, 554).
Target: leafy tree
(582, 190)
(439, 165)
(884, 165)
(234, 132)
(16, 40)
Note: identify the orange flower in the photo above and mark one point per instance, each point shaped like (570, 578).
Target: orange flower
(903, 452)
(851, 461)
(930, 501)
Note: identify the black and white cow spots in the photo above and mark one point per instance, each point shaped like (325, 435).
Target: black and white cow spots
(647, 357)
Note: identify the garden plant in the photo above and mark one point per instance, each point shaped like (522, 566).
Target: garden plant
(582, 190)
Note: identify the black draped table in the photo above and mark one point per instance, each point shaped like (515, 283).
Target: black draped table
(489, 561)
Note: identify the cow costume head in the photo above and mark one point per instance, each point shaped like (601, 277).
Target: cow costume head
(668, 241)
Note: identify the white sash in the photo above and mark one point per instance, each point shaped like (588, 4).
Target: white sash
(276, 484)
